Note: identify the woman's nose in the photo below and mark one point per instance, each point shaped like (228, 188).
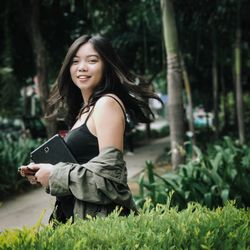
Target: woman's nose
(82, 66)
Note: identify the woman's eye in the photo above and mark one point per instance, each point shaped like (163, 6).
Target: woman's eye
(74, 61)
(92, 60)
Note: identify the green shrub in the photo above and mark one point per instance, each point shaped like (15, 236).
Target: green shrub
(211, 179)
(160, 228)
(14, 153)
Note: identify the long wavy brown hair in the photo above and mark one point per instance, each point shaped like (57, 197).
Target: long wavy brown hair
(117, 79)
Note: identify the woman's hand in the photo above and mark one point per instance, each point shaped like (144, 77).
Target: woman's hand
(37, 173)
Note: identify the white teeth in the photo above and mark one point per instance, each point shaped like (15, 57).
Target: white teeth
(83, 77)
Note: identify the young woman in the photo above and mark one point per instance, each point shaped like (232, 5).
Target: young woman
(98, 93)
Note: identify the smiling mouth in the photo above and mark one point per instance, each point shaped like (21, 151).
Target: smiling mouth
(83, 77)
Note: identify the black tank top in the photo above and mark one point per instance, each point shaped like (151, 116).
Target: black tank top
(82, 143)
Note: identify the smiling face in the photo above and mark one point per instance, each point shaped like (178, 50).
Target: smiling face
(86, 69)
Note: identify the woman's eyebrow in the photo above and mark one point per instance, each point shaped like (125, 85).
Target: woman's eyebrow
(88, 56)
(93, 55)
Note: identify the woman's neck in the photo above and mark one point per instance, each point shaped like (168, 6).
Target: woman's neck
(86, 96)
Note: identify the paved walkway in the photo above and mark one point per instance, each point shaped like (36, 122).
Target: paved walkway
(25, 209)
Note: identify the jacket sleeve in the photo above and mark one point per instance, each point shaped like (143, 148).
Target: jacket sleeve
(101, 181)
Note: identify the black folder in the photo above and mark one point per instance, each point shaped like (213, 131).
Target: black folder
(53, 151)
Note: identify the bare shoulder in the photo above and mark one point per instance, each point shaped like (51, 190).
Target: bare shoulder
(109, 122)
(110, 102)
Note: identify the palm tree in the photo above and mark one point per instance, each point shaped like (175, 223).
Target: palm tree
(174, 80)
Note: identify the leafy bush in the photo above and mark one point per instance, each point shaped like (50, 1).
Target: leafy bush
(160, 228)
(211, 179)
(14, 153)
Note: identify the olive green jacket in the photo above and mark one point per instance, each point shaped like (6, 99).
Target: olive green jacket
(98, 186)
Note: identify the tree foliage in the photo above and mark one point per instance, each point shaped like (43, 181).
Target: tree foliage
(135, 30)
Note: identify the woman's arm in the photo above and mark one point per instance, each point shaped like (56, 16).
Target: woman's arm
(109, 123)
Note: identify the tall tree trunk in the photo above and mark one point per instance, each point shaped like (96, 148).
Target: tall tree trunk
(189, 99)
(233, 116)
(175, 102)
(144, 71)
(215, 87)
(41, 56)
(225, 101)
(239, 96)
(30, 16)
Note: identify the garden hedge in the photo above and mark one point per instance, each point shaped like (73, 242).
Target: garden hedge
(195, 227)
